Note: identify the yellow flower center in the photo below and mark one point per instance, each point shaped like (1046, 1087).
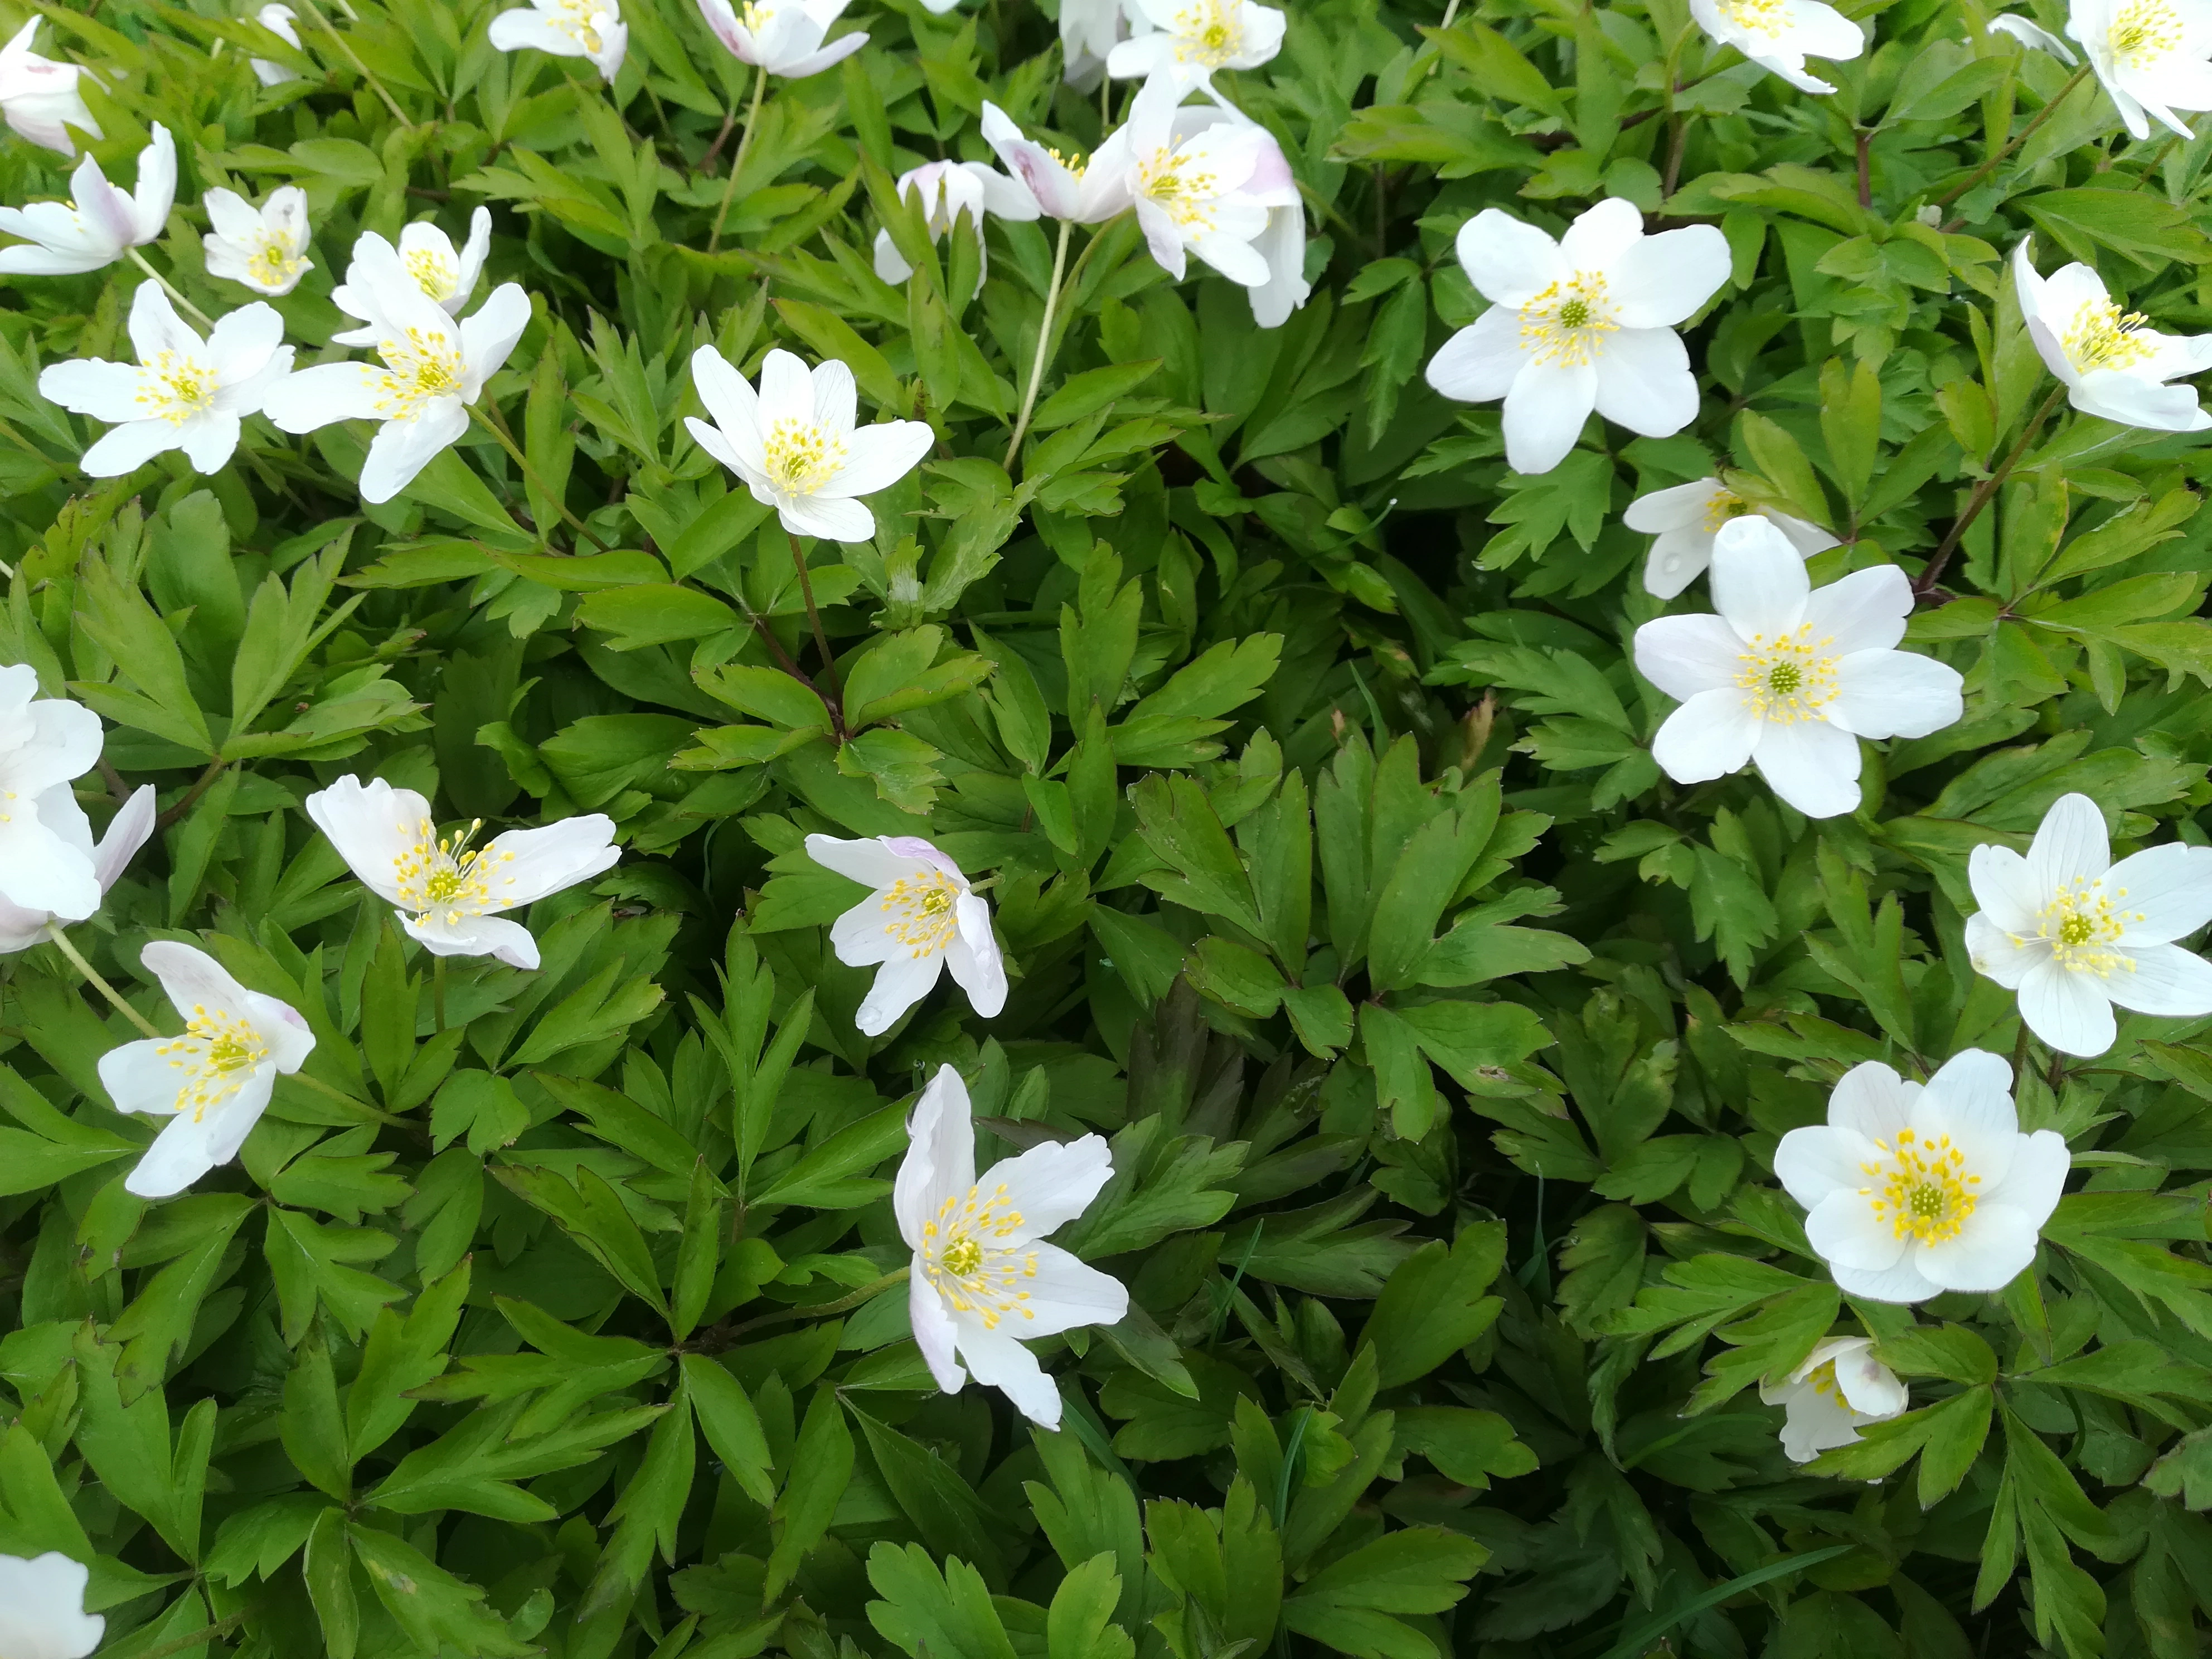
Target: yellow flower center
(434, 273)
(967, 1259)
(175, 387)
(217, 1054)
(1726, 505)
(422, 367)
(1789, 677)
(756, 17)
(2144, 32)
(2104, 337)
(1208, 34)
(447, 877)
(1922, 1188)
(2082, 925)
(1822, 1379)
(1567, 322)
(576, 19)
(276, 261)
(802, 457)
(922, 912)
(1181, 185)
(1074, 160)
(1767, 17)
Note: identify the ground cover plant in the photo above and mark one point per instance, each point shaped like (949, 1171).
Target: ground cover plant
(1145, 828)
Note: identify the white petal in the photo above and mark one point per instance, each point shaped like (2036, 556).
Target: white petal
(1865, 610)
(1678, 557)
(1811, 764)
(181, 1155)
(879, 456)
(1709, 737)
(42, 1613)
(474, 936)
(974, 959)
(1902, 1283)
(1844, 1229)
(1509, 261)
(2069, 1010)
(831, 518)
(1603, 235)
(2163, 893)
(128, 448)
(934, 1331)
(2004, 888)
(1051, 1184)
(40, 871)
(138, 1077)
(1644, 382)
(1998, 955)
(899, 984)
(1872, 1102)
(2131, 400)
(786, 389)
(1675, 508)
(941, 1159)
(317, 397)
(871, 862)
(537, 862)
(1820, 1160)
(1759, 582)
(2166, 980)
(1685, 655)
(2037, 1179)
(127, 831)
(106, 392)
(997, 1361)
(1895, 693)
(1481, 361)
(1544, 414)
(1067, 1293)
(1996, 1245)
(2070, 844)
(373, 826)
(1660, 281)
(401, 449)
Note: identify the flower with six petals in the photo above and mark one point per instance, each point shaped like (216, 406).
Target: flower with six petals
(426, 257)
(46, 865)
(1183, 42)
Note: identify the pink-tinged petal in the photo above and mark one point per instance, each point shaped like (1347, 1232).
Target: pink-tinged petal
(2165, 980)
(1810, 765)
(2162, 893)
(2069, 1011)
(1709, 737)
(1758, 582)
(1895, 693)
(1509, 260)
(2070, 845)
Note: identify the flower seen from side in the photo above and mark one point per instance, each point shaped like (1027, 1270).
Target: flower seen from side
(1089, 32)
(453, 897)
(566, 29)
(1078, 189)
(100, 223)
(425, 257)
(1684, 519)
(944, 190)
(1789, 678)
(1584, 323)
(42, 1613)
(784, 38)
(38, 97)
(1840, 1387)
(2112, 362)
(1201, 183)
(982, 1281)
(214, 1081)
(46, 865)
(1187, 41)
(796, 443)
(127, 831)
(265, 247)
(922, 918)
(1778, 35)
(2072, 933)
(2149, 55)
(1911, 1190)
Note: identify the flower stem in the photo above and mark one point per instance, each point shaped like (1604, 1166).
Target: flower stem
(169, 287)
(827, 690)
(438, 990)
(315, 16)
(2014, 142)
(738, 162)
(1984, 493)
(1044, 346)
(92, 977)
(491, 423)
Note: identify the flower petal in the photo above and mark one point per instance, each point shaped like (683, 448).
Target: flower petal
(1658, 281)
(1053, 1183)
(2037, 1179)
(899, 984)
(2162, 893)
(1759, 584)
(1509, 260)
(1901, 1283)
(1844, 1229)
(2069, 1010)
(934, 1332)
(871, 862)
(2069, 845)
(1067, 1293)
(373, 826)
(1870, 1101)
(1480, 361)
(1711, 735)
(1545, 411)
(1821, 1159)
(1895, 693)
(1644, 382)
(1811, 764)
(1996, 955)
(877, 457)
(1675, 508)
(2003, 888)
(2167, 980)
(1688, 654)
(1996, 1245)
(997, 1361)
(551, 858)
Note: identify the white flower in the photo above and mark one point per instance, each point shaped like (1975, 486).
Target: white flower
(434, 370)
(1789, 678)
(1777, 35)
(567, 28)
(265, 247)
(2149, 54)
(1089, 31)
(38, 97)
(453, 897)
(426, 257)
(784, 39)
(923, 917)
(1064, 185)
(795, 444)
(277, 20)
(45, 742)
(42, 1613)
(1201, 183)
(2073, 933)
(2028, 33)
(1909, 1190)
(2112, 364)
(1281, 242)
(1188, 39)
(127, 832)
(214, 1082)
(1840, 1385)
(1587, 322)
(983, 1278)
(100, 223)
(186, 393)
(946, 189)
(1685, 519)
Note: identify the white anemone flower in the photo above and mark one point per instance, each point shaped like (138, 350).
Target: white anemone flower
(213, 1082)
(186, 393)
(426, 257)
(922, 918)
(127, 831)
(452, 897)
(434, 370)
(2113, 364)
(45, 742)
(265, 247)
(2149, 55)
(100, 223)
(983, 1281)
(277, 20)
(1089, 32)
(784, 38)
(1685, 519)
(1281, 242)
(1840, 1387)
(42, 1613)
(1065, 187)
(1778, 35)
(566, 29)
(38, 97)
(796, 445)
(1188, 39)
(945, 190)
(1909, 1191)
(1789, 678)
(1201, 184)
(1587, 322)
(2072, 933)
